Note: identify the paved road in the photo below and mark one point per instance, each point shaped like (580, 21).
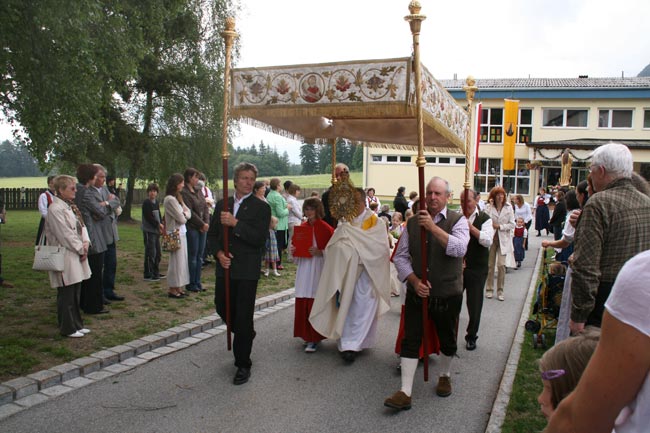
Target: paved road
(290, 391)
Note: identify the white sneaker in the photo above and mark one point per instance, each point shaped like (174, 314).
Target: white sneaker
(311, 347)
(76, 334)
(84, 331)
(266, 273)
(500, 297)
(276, 273)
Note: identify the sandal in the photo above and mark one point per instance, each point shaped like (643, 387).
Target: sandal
(174, 295)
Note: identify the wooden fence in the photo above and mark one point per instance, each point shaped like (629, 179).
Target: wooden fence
(27, 198)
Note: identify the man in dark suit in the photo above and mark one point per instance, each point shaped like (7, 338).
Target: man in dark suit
(248, 220)
(106, 219)
(481, 234)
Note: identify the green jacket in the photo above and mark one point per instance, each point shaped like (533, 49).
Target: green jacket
(279, 209)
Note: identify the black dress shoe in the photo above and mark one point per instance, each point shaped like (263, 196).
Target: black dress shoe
(349, 356)
(242, 375)
(115, 297)
(106, 301)
(104, 311)
(471, 345)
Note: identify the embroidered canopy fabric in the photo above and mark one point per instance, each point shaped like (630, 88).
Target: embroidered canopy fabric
(367, 101)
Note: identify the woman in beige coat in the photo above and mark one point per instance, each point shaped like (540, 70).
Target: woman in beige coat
(176, 215)
(65, 227)
(503, 221)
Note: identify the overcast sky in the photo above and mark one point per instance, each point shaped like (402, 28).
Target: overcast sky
(487, 39)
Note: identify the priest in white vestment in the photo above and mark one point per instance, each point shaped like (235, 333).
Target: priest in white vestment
(354, 289)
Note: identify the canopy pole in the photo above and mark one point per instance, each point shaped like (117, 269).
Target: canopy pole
(333, 144)
(415, 22)
(228, 36)
(470, 90)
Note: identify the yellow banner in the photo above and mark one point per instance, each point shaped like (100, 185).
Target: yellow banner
(510, 133)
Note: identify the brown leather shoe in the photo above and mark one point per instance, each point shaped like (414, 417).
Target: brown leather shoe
(444, 386)
(399, 401)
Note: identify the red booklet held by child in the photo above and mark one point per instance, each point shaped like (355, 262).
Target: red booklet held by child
(303, 238)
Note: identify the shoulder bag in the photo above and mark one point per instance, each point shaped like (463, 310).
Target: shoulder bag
(48, 257)
(171, 241)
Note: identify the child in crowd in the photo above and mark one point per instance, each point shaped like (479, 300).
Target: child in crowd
(272, 254)
(152, 228)
(519, 241)
(397, 226)
(562, 366)
(308, 272)
(374, 207)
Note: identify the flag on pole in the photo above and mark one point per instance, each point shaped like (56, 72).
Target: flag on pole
(479, 114)
(510, 133)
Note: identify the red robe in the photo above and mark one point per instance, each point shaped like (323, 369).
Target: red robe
(301, 326)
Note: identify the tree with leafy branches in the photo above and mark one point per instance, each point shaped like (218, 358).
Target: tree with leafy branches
(133, 84)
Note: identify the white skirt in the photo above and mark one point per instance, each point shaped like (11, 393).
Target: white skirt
(178, 272)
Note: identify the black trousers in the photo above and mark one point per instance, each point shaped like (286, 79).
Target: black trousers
(242, 307)
(92, 301)
(67, 309)
(596, 316)
(474, 283)
(443, 311)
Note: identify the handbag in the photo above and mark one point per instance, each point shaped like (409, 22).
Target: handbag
(171, 241)
(48, 257)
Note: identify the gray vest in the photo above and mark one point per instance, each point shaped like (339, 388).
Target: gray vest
(444, 273)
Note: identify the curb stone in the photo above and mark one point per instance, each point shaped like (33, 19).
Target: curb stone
(24, 392)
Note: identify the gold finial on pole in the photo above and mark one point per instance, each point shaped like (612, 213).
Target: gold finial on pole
(470, 90)
(228, 35)
(415, 22)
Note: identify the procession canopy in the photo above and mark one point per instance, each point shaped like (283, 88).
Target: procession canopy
(372, 101)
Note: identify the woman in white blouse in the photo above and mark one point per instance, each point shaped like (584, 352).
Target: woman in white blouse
(176, 215)
(503, 221)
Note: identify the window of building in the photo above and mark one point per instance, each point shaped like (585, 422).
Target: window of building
(376, 158)
(564, 118)
(460, 161)
(614, 118)
(513, 181)
(525, 125)
(444, 160)
(404, 159)
(430, 159)
(391, 158)
(491, 125)
(646, 119)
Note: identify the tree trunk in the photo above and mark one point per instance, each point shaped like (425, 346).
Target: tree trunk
(134, 169)
(126, 209)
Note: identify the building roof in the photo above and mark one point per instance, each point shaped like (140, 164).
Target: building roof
(587, 143)
(552, 83)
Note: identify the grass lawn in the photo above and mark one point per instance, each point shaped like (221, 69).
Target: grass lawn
(524, 414)
(29, 337)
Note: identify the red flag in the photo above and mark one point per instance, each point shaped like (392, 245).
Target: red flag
(479, 113)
